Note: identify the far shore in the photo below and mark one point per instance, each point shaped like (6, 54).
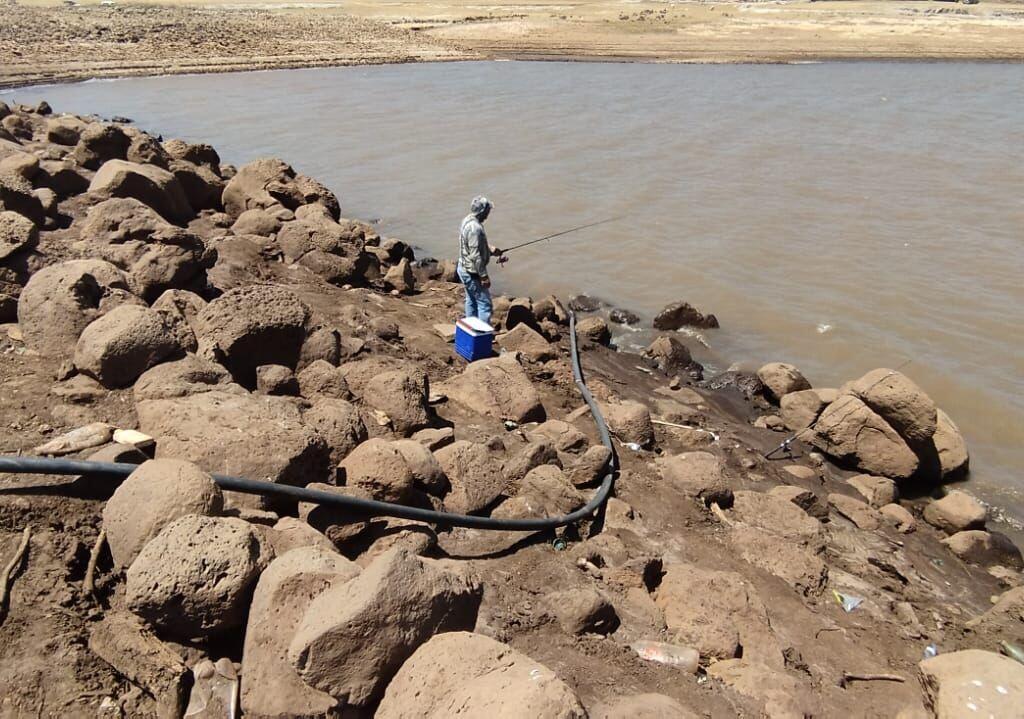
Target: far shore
(44, 42)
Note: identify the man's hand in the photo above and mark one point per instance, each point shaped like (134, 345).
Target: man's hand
(486, 282)
(497, 252)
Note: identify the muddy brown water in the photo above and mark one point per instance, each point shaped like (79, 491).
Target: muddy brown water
(837, 216)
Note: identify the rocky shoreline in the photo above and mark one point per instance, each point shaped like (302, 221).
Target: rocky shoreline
(159, 303)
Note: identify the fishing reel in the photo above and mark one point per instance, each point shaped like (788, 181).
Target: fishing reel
(502, 259)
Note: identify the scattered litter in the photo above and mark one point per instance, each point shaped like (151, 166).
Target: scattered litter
(686, 658)
(510, 425)
(851, 677)
(381, 418)
(536, 675)
(633, 446)
(91, 435)
(1014, 651)
(931, 651)
(823, 328)
(848, 601)
(134, 438)
(559, 544)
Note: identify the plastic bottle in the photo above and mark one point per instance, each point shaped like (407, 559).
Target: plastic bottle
(686, 658)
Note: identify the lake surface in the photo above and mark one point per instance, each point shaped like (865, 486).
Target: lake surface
(838, 216)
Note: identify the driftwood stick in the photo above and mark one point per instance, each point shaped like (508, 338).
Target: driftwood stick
(720, 514)
(94, 556)
(5, 578)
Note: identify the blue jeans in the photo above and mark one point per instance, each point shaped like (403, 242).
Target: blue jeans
(478, 297)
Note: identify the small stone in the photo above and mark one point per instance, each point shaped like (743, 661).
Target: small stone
(877, 491)
(800, 472)
(898, 516)
(856, 511)
(585, 611)
(276, 379)
(956, 512)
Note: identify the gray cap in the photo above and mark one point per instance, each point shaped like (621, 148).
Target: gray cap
(480, 205)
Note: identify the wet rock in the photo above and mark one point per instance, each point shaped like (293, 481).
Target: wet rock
(377, 467)
(270, 686)
(861, 514)
(644, 706)
(322, 379)
(630, 421)
(877, 491)
(187, 376)
(528, 342)
(670, 354)
(122, 344)
(195, 578)
(98, 143)
(961, 683)
(401, 395)
(591, 466)
(744, 382)
(900, 402)
(584, 611)
(956, 512)
(151, 185)
(480, 676)
(16, 196)
(427, 474)
(985, 548)
(698, 475)
(899, 517)
(276, 379)
(683, 314)
(498, 388)
(219, 430)
(475, 474)
(623, 317)
(594, 329)
(800, 409)
(355, 636)
(123, 643)
(154, 495)
(780, 379)
(17, 234)
(252, 326)
(852, 433)
(550, 308)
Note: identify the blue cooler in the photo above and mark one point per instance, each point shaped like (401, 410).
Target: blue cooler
(474, 339)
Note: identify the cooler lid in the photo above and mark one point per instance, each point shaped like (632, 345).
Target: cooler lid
(475, 326)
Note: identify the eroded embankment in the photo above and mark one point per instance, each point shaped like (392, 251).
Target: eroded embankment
(240, 325)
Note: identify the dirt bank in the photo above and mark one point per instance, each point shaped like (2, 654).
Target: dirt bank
(42, 42)
(237, 320)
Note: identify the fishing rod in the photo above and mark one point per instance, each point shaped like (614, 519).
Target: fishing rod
(502, 259)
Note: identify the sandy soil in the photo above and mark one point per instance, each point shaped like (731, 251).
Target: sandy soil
(44, 42)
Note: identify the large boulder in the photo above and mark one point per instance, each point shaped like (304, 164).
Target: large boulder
(949, 446)
(197, 153)
(427, 474)
(527, 341)
(796, 565)
(218, 431)
(122, 344)
(475, 474)
(854, 434)
(671, 355)
(64, 130)
(270, 686)
(17, 233)
(98, 143)
(545, 492)
(195, 578)
(474, 675)
(180, 309)
(189, 375)
(61, 300)
(151, 185)
(497, 388)
(800, 409)
(267, 182)
(339, 423)
(900, 402)
(252, 326)
(320, 378)
(377, 467)
(956, 512)
(971, 682)
(203, 188)
(681, 314)
(402, 396)
(147, 150)
(154, 495)
(985, 548)
(780, 379)
(64, 177)
(564, 436)
(355, 636)
(777, 515)
(594, 329)
(877, 491)
(591, 466)
(698, 475)
(157, 255)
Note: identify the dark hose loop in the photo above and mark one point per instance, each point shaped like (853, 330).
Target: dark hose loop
(50, 465)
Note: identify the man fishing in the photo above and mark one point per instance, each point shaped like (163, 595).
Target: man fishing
(474, 255)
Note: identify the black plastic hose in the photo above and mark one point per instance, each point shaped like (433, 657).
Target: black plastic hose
(52, 465)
